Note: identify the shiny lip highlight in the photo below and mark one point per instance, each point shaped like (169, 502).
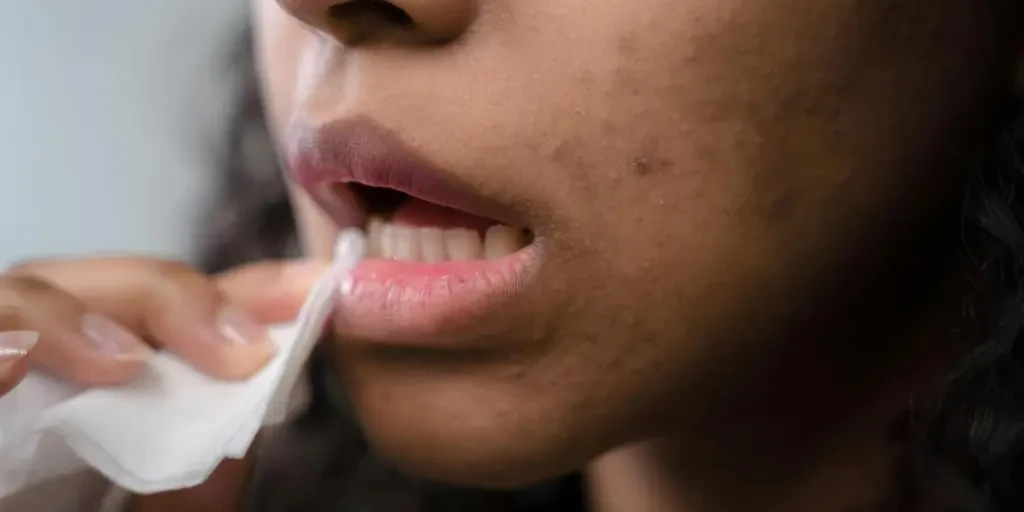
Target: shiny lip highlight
(430, 305)
(358, 150)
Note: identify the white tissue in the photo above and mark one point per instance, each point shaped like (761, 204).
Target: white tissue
(170, 429)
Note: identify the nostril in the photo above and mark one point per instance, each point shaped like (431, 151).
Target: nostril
(383, 10)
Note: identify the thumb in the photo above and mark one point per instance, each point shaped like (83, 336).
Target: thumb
(272, 291)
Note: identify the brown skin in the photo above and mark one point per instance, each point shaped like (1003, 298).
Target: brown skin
(737, 173)
(707, 177)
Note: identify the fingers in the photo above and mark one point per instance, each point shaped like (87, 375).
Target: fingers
(69, 340)
(15, 346)
(216, 325)
(170, 305)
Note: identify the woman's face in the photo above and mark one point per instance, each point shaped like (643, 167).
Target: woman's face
(691, 182)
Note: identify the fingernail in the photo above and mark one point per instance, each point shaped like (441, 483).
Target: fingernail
(236, 328)
(14, 345)
(112, 340)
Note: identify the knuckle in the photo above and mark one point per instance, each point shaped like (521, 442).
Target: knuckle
(15, 291)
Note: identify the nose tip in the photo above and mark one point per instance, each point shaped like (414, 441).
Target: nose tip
(354, 22)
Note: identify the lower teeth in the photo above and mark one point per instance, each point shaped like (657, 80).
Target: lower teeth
(431, 244)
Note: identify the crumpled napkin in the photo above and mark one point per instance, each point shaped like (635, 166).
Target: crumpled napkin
(170, 429)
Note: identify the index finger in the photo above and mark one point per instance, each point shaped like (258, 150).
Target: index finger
(166, 303)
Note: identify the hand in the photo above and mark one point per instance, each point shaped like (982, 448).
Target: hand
(96, 322)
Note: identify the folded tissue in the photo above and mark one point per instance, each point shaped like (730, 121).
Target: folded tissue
(170, 429)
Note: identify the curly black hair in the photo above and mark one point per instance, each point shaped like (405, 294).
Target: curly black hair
(967, 445)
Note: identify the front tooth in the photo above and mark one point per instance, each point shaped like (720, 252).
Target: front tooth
(501, 241)
(406, 244)
(432, 244)
(388, 246)
(463, 244)
(375, 237)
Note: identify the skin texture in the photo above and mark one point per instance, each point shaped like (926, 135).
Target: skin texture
(725, 192)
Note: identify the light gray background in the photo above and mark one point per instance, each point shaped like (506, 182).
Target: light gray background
(110, 113)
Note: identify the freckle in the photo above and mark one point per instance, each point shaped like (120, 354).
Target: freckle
(608, 127)
(561, 152)
(641, 167)
(627, 45)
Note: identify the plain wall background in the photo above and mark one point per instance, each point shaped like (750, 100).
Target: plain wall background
(111, 113)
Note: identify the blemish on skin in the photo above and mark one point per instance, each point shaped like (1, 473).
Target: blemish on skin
(567, 154)
(649, 161)
(627, 45)
(641, 166)
(609, 127)
(646, 166)
(561, 153)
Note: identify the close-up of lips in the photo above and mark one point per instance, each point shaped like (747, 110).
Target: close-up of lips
(512, 256)
(438, 252)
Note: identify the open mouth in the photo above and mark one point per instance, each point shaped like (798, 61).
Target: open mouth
(405, 228)
(442, 255)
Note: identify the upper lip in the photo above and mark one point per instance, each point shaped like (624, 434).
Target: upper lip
(358, 150)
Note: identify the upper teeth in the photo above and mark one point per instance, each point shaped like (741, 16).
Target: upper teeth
(431, 244)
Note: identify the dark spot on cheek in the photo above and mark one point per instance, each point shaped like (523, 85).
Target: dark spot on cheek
(559, 155)
(567, 155)
(609, 128)
(641, 167)
(627, 45)
(649, 162)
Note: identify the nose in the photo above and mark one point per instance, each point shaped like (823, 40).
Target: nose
(355, 22)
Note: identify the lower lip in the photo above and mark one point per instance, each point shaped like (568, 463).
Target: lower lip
(413, 304)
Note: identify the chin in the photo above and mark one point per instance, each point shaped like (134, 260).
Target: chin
(491, 460)
(472, 436)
